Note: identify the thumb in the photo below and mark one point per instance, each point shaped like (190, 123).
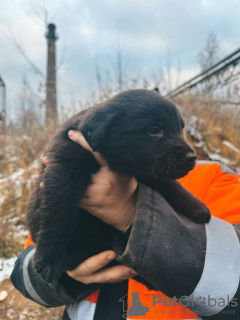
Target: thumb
(77, 137)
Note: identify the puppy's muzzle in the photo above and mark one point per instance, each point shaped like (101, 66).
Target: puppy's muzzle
(190, 157)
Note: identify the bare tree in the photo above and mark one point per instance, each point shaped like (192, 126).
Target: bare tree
(27, 108)
(159, 77)
(210, 54)
(168, 69)
(18, 46)
(178, 71)
(119, 65)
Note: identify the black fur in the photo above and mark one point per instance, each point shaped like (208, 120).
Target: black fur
(140, 134)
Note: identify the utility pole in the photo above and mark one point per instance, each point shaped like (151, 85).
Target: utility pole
(2, 118)
(51, 116)
(2, 107)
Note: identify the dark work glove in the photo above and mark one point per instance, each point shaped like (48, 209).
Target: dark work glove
(184, 259)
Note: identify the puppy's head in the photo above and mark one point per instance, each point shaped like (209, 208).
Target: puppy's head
(140, 133)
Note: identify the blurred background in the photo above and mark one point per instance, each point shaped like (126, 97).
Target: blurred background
(59, 57)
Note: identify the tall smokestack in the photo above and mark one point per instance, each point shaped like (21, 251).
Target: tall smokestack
(51, 117)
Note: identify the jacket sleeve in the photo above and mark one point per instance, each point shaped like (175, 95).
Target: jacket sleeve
(197, 264)
(64, 292)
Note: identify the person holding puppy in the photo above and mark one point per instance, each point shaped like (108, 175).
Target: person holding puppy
(196, 265)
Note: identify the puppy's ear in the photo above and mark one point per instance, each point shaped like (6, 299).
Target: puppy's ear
(94, 129)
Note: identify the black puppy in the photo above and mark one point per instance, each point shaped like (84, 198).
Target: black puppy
(140, 134)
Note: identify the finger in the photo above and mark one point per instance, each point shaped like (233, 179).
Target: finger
(45, 161)
(111, 275)
(95, 208)
(77, 137)
(100, 160)
(93, 264)
(42, 185)
(103, 176)
(97, 191)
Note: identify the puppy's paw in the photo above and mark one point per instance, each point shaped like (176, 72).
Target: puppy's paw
(201, 213)
(49, 268)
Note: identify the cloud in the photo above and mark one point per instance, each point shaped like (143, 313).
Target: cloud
(147, 30)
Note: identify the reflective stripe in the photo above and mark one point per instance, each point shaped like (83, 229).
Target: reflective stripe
(220, 278)
(83, 310)
(27, 282)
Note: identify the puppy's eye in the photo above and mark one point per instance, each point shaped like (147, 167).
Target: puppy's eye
(155, 131)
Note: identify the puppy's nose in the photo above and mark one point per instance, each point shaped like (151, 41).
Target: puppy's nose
(190, 157)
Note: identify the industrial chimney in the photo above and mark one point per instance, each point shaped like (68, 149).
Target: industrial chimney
(51, 117)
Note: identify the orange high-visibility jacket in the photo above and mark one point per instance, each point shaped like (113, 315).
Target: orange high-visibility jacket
(219, 188)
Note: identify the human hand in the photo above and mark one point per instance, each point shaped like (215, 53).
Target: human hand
(110, 196)
(95, 270)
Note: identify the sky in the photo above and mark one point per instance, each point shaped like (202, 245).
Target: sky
(151, 34)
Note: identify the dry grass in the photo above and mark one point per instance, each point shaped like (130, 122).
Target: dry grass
(217, 123)
(18, 169)
(17, 307)
(14, 197)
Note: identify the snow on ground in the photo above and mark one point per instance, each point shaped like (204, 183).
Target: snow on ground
(191, 127)
(17, 179)
(13, 176)
(217, 157)
(6, 267)
(20, 172)
(16, 230)
(231, 146)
